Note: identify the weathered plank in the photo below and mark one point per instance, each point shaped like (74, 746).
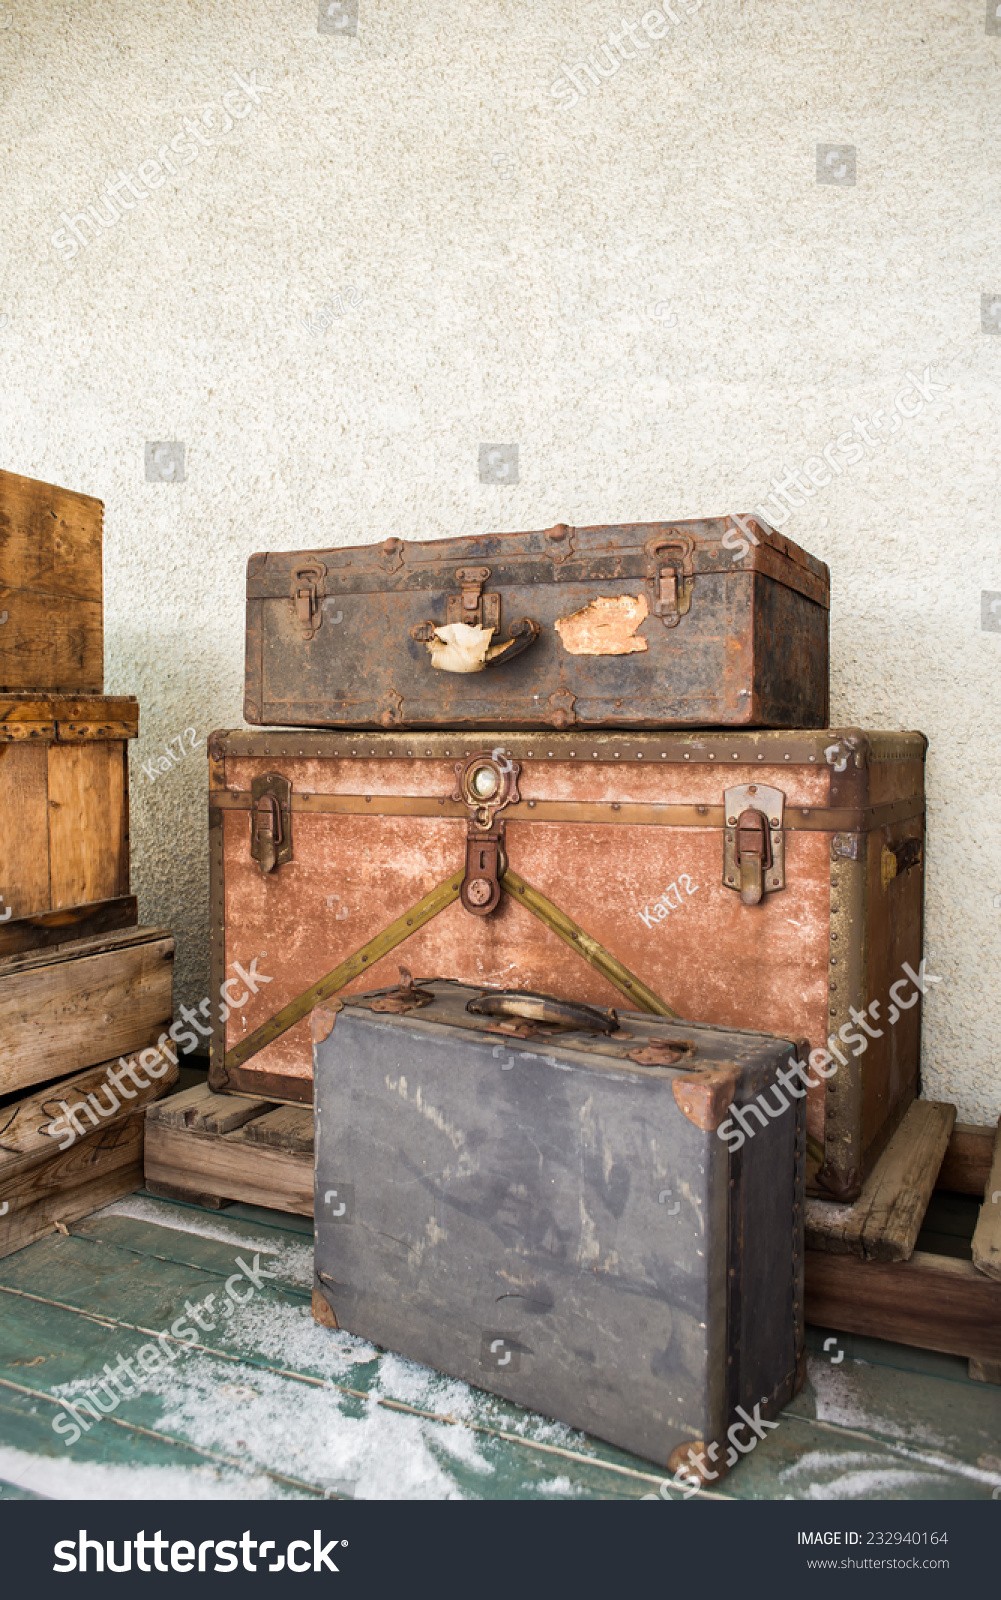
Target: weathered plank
(66, 1009)
(24, 873)
(206, 1112)
(285, 1128)
(884, 1222)
(91, 1173)
(88, 858)
(227, 1166)
(26, 1134)
(51, 586)
(43, 930)
(987, 1237)
(967, 1162)
(934, 1302)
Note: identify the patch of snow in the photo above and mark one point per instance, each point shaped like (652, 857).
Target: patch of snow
(294, 1261)
(62, 1478)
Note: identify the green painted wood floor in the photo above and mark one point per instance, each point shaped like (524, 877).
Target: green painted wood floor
(271, 1406)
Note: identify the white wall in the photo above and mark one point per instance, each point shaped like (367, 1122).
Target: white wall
(649, 291)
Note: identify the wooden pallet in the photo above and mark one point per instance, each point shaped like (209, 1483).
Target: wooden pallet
(884, 1222)
(213, 1149)
(987, 1238)
(43, 1187)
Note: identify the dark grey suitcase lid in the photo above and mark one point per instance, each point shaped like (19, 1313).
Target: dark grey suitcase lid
(559, 555)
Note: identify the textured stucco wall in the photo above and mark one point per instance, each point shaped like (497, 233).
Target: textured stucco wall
(648, 290)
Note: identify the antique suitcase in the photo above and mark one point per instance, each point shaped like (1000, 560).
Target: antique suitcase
(51, 588)
(546, 1209)
(660, 624)
(66, 1009)
(64, 790)
(759, 880)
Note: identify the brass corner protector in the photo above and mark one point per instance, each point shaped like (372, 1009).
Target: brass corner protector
(704, 1099)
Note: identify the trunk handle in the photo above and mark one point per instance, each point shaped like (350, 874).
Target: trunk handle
(544, 1008)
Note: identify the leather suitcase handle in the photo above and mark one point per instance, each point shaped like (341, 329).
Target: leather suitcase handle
(543, 1008)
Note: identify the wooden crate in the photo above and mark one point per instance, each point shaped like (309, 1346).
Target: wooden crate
(932, 1301)
(66, 1009)
(55, 1168)
(213, 1148)
(51, 588)
(64, 795)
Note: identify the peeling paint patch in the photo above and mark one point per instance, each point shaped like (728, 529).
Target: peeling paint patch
(606, 627)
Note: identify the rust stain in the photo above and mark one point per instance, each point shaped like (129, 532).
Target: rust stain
(606, 627)
(705, 1100)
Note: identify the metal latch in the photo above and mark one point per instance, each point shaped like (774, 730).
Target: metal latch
(754, 841)
(271, 821)
(306, 594)
(485, 783)
(673, 584)
(471, 605)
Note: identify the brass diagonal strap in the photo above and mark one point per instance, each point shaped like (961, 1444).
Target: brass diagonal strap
(355, 964)
(634, 990)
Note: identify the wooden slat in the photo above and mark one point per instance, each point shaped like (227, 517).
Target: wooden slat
(933, 1302)
(24, 851)
(229, 1167)
(967, 1162)
(987, 1235)
(24, 1135)
(86, 793)
(44, 929)
(92, 1173)
(206, 1112)
(66, 1009)
(884, 1222)
(285, 1128)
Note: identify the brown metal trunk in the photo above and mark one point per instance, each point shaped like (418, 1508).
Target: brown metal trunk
(717, 622)
(628, 835)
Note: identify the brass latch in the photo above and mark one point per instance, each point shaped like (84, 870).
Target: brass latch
(271, 821)
(485, 783)
(471, 605)
(306, 594)
(754, 841)
(672, 584)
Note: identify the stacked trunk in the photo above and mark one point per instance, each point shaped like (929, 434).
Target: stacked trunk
(83, 989)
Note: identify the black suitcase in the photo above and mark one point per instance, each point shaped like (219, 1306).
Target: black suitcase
(562, 1207)
(716, 622)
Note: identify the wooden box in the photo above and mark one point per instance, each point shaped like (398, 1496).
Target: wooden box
(51, 588)
(65, 1009)
(715, 622)
(612, 868)
(64, 797)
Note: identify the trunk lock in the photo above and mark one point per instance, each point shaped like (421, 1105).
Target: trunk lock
(754, 841)
(486, 783)
(306, 596)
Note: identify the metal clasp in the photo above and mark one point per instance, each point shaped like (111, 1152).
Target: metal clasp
(471, 605)
(672, 585)
(271, 821)
(306, 593)
(485, 783)
(754, 841)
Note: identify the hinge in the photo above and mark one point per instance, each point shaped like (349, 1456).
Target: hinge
(471, 605)
(672, 581)
(754, 841)
(271, 821)
(306, 594)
